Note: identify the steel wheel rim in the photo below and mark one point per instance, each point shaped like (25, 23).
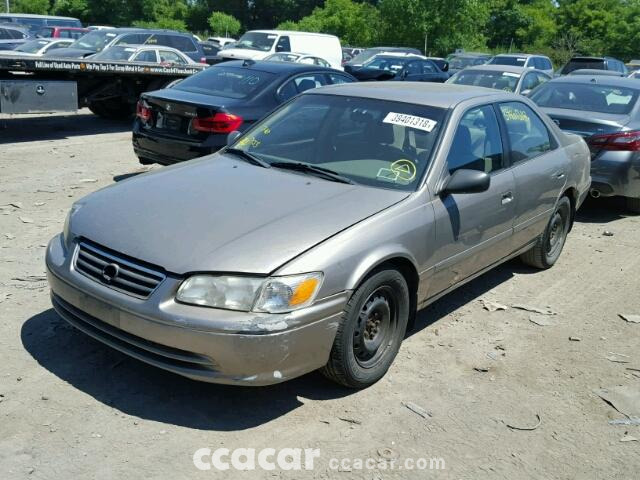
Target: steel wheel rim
(375, 327)
(557, 232)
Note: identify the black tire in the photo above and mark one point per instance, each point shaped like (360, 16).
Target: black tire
(371, 330)
(549, 245)
(633, 204)
(145, 161)
(112, 109)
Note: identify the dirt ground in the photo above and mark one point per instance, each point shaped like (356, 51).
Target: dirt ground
(73, 408)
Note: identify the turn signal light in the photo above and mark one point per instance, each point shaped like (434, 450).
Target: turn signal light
(143, 112)
(621, 141)
(219, 123)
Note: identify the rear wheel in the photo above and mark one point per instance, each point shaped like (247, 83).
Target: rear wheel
(633, 204)
(549, 245)
(370, 332)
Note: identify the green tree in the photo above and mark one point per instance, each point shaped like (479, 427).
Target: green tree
(355, 23)
(40, 7)
(443, 25)
(224, 24)
(71, 8)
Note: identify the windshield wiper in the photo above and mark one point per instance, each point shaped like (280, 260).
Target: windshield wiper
(305, 167)
(248, 157)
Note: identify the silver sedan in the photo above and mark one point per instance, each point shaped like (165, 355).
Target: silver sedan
(314, 237)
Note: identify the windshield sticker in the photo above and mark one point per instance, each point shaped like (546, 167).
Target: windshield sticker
(420, 123)
(509, 74)
(520, 59)
(250, 142)
(401, 171)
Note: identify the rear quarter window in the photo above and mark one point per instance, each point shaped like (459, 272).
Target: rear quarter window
(226, 82)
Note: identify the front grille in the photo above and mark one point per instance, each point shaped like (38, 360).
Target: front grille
(130, 276)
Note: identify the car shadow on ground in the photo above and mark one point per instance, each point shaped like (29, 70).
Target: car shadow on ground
(602, 210)
(57, 127)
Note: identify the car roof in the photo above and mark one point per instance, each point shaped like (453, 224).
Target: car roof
(275, 67)
(293, 32)
(428, 94)
(525, 55)
(587, 57)
(602, 79)
(34, 15)
(502, 68)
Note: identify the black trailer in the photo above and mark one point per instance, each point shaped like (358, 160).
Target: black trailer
(109, 89)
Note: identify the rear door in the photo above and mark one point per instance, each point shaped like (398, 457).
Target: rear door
(539, 166)
(474, 229)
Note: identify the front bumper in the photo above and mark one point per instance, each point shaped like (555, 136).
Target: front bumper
(213, 345)
(616, 173)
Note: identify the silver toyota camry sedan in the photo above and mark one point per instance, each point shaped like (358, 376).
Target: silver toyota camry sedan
(312, 239)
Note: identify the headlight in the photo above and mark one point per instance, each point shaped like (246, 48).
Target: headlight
(272, 295)
(66, 230)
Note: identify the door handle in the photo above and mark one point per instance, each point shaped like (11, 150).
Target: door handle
(507, 198)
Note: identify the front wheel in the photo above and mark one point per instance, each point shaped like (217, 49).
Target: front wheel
(549, 245)
(370, 331)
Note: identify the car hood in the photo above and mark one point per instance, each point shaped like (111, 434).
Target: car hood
(223, 214)
(243, 54)
(69, 53)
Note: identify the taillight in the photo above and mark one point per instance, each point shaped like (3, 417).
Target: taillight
(203, 60)
(219, 123)
(143, 112)
(621, 141)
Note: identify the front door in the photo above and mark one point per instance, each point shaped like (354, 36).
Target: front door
(474, 230)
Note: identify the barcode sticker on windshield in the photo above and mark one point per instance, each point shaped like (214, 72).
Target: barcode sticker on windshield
(510, 74)
(411, 121)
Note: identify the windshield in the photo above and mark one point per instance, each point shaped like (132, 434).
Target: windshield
(365, 55)
(256, 41)
(463, 62)
(586, 97)
(225, 82)
(95, 40)
(378, 143)
(506, 81)
(33, 46)
(390, 64)
(583, 63)
(283, 57)
(115, 53)
(504, 60)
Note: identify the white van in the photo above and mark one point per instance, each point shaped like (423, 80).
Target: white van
(258, 44)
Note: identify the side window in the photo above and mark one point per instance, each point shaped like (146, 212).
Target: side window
(4, 35)
(181, 43)
(542, 78)
(287, 91)
(413, 68)
(528, 135)
(309, 81)
(65, 34)
(547, 65)
(170, 57)
(337, 78)
(477, 144)
(17, 34)
(283, 44)
(133, 39)
(428, 67)
(530, 81)
(146, 56)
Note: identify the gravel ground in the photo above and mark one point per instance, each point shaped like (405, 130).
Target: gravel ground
(73, 408)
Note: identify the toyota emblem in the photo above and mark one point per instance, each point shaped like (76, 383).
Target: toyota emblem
(110, 272)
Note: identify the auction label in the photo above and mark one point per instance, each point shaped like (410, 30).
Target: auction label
(420, 123)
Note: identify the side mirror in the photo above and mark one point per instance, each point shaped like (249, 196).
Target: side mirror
(232, 137)
(467, 181)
